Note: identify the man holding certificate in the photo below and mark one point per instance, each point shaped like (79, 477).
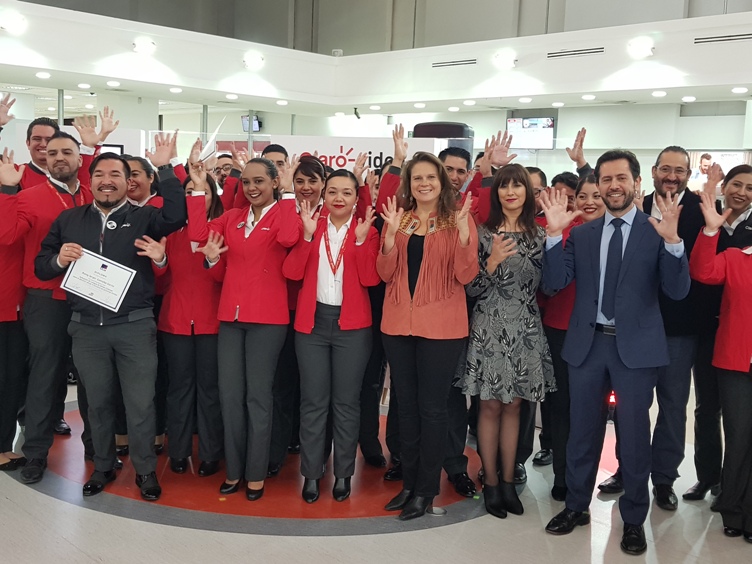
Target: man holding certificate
(107, 250)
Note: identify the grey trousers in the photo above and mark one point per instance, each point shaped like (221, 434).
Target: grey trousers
(126, 352)
(248, 355)
(332, 363)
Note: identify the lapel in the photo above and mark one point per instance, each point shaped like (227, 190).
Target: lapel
(263, 224)
(639, 228)
(596, 227)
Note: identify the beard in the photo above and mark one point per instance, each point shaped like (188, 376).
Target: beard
(109, 204)
(64, 177)
(628, 199)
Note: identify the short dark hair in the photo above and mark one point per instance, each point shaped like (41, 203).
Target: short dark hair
(110, 157)
(44, 121)
(63, 135)
(589, 179)
(458, 152)
(148, 169)
(274, 148)
(479, 156)
(310, 166)
(736, 171)
(539, 172)
(271, 168)
(706, 157)
(617, 155)
(343, 173)
(570, 179)
(673, 149)
(224, 156)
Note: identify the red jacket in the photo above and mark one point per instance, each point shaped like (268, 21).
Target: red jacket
(254, 289)
(12, 291)
(191, 299)
(33, 175)
(28, 217)
(733, 269)
(557, 309)
(358, 272)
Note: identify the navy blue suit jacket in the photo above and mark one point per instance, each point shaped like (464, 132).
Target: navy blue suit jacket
(647, 268)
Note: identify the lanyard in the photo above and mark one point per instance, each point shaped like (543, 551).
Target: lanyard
(59, 197)
(340, 255)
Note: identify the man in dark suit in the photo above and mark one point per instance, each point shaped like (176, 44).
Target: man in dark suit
(616, 339)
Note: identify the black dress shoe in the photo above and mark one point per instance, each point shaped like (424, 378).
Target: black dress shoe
(510, 499)
(273, 469)
(543, 457)
(399, 501)
(559, 493)
(341, 489)
(208, 468)
(294, 448)
(492, 501)
(463, 485)
(118, 464)
(565, 522)
(179, 465)
(394, 474)
(227, 489)
(747, 536)
(97, 482)
(254, 495)
(633, 541)
(158, 449)
(415, 508)
(310, 490)
(714, 505)
(612, 485)
(122, 450)
(33, 471)
(699, 491)
(61, 427)
(150, 489)
(375, 460)
(665, 497)
(520, 474)
(12, 464)
(732, 532)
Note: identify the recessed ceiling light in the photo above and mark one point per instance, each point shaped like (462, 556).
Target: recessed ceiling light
(51, 109)
(469, 102)
(454, 109)
(505, 59)
(374, 108)
(737, 90)
(688, 99)
(281, 102)
(339, 114)
(231, 96)
(13, 22)
(640, 47)
(84, 86)
(588, 97)
(419, 105)
(253, 61)
(68, 97)
(659, 94)
(113, 83)
(176, 90)
(44, 75)
(525, 100)
(14, 88)
(557, 104)
(144, 46)
(162, 102)
(89, 106)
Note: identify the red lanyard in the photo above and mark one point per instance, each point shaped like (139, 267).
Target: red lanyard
(340, 255)
(65, 204)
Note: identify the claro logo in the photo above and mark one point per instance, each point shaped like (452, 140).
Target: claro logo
(346, 158)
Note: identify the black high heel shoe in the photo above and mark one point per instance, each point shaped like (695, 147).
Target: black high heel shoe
(310, 490)
(254, 495)
(415, 508)
(510, 499)
(227, 489)
(492, 500)
(341, 490)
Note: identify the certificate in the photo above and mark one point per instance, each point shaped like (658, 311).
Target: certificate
(99, 280)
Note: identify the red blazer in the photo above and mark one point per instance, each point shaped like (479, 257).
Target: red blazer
(191, 299)
(254, 289)
(557, 309)
(12, 291)
(28, 217)
(33, 175)
(733, 269)
(358, 272)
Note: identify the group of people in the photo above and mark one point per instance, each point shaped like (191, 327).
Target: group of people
(284, 288)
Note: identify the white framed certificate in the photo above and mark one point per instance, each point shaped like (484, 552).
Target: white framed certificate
(99, 280)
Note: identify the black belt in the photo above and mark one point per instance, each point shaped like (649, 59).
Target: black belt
(606, 329)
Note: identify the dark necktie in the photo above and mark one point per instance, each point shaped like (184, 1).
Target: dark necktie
(613, 265)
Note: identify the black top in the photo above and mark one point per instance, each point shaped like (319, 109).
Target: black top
(414, 260)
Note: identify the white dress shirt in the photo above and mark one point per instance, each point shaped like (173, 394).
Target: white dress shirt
(741, 219)
(329, 284)
(655, 212)
(250, 224)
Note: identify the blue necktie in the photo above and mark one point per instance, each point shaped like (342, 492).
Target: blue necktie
(613, 265)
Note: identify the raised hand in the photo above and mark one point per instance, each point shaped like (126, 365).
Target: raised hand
(107, 123)
(363, 227)
(558, 218)
(715, 177)
(639, 199)
(69, 253)
(9, 175)
(195, 153)
(310, 221)
(151, 248)
(500, 152)
(392, 215)
(86, 127)
(285, 176)
(215, 246)
(164, 144)
(6, 103)
(668, 227)
(501, 249)
(484, 163)
(713, 220)
(400, 145)
(360, 165)
(197, 172)
(239, 157)
(576, 152)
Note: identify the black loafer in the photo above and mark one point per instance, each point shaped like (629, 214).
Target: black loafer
(732, 532)
(415, 508)
(565, 522)
(559, 493)
(612, 485)
(394, 474)
(310, 491)
(463, 485)
(544, 457)
(375, 460)
(399, 501)
(61, 427)
(747, 536)
(33, 471)
(520, 474)
(208, 468)
(273, 469)
(227, 489)
(341, 489)
(118, 464)
(97, 482)
(179, 465)
(122, 450)
(665, 497)
(699, 491)
(13, 464)
(294, 448)
(254, 495)
(150, 489)
(633, 541)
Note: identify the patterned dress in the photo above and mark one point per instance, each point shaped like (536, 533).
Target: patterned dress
(508, 355)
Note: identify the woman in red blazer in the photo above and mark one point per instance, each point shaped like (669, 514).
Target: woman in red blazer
(733, 358)
(189, 328)
(336, 259)
(253, 316)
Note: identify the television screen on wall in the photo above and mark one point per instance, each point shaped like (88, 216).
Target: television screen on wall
(246, 123)
(531, 133)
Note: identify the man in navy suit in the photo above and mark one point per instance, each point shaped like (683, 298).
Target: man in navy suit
(616, 338)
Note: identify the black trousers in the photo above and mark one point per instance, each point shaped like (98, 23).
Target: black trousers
(708, 444)
(422, 370)
(558, 405)
(526, 437)
(546, 435)
(370, 394)
(14, 349)
(193, 396)
(455, 461)
(286, 391)
(735, 499)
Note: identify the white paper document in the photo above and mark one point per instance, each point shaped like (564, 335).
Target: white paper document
(99, 280)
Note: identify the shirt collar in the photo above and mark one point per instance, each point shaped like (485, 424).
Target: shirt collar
(249, 219)
(64, 186)
(112, 211)
(627, 217)
(331, 225)
(141, 204)
(318, 207)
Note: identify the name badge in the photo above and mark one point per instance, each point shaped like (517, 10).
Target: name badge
(111, 225)
(241, 224)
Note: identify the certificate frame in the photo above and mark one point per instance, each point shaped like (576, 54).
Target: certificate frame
(85, 277)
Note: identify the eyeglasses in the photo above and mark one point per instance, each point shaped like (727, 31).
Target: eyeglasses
(226, 168)
(666, 170)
